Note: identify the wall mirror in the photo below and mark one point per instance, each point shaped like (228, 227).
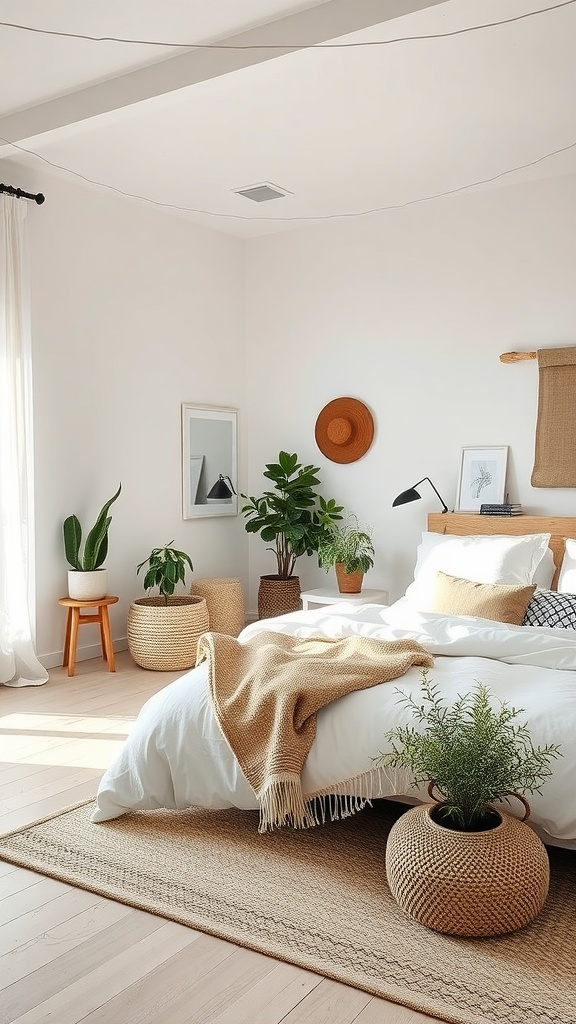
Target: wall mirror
(209, 461)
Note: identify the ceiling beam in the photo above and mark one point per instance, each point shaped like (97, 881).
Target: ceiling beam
(318, 24)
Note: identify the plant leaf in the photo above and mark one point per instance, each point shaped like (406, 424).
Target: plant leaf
(166, 568)
(72, 540)
(92, 557)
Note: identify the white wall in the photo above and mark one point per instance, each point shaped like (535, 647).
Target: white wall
(134, 311)
(409, 311)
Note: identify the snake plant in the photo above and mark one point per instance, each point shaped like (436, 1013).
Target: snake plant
(96, 544)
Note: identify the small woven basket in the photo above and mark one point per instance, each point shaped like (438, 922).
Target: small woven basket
(225, 602)
(467, 883)
(277, 596)
(164, 637)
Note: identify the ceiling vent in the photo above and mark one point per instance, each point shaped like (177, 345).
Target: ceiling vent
(262, 192)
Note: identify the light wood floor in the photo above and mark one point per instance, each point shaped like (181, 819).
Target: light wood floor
(67, 955)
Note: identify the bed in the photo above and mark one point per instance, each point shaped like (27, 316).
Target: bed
(177, 756)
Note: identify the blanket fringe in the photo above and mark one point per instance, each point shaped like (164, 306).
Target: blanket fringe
(347, 798)
(283, 803)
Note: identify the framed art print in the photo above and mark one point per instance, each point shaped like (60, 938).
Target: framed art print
(482, 478)
(209, 461)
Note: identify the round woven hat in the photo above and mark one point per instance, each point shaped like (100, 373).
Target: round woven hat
(344, 430)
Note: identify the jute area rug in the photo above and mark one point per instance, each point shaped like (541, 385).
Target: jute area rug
(316, 898)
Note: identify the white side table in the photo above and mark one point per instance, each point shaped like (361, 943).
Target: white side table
(329, 595)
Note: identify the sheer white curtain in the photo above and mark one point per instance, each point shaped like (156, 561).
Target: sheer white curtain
(19, 665)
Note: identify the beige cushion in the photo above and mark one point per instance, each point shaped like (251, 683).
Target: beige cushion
(502, 602)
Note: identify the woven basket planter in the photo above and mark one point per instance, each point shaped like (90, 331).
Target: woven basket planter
(225, 601)
(467, 883)
(348, 582)
(277, 596)
(164, 637)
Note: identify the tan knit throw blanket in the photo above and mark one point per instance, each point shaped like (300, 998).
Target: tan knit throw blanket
(266, 693)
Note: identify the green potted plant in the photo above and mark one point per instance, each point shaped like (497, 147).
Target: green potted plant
(347, 547)
(87, 579)
(461, 865)
(163, 630)
(293, 518)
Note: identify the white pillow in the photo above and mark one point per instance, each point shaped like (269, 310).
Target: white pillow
(545, 571)
(567, 577)
(543, 575)
(494, 559)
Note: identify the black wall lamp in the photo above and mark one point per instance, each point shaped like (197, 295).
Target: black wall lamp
(412, 494)
(221, 491)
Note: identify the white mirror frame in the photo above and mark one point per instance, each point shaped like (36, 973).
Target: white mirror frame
(209, 450)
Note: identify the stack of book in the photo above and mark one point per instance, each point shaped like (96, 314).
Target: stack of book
(505, 509)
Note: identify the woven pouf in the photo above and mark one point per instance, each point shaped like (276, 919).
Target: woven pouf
(467, 883)
(225, 601)
(277, 596)
(164, 637)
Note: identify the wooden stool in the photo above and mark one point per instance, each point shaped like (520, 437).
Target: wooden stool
(75, 619)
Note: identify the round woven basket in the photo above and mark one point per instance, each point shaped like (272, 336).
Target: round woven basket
(467, 883)
(225, 602)
(164, 637)
(277, 596)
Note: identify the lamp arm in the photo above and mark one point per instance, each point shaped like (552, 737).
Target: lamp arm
(445, 506)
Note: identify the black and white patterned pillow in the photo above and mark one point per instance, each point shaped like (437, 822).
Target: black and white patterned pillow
(547, 608)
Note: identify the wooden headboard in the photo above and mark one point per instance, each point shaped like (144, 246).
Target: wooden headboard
(463, 524)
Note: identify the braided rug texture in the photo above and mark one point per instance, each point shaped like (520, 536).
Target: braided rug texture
(317, 898)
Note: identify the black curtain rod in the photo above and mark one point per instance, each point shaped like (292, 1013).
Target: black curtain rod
(20, 194)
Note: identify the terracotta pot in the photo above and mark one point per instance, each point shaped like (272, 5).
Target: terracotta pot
(467, 883)
(277, 596)
(348, 582)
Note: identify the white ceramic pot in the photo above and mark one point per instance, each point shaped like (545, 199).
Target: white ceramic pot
(87, 586)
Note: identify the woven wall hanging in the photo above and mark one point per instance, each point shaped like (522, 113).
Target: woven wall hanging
(555, 446)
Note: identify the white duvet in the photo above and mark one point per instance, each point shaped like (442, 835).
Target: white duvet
(177, 757)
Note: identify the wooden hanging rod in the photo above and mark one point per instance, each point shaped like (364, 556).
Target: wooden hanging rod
(514, 357)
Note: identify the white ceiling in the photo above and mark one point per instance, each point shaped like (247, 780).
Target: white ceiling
(347, 130)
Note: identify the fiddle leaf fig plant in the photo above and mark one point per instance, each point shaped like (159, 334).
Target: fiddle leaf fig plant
(166, 568)
(96, 545)
(293, 516)
(473, 751)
